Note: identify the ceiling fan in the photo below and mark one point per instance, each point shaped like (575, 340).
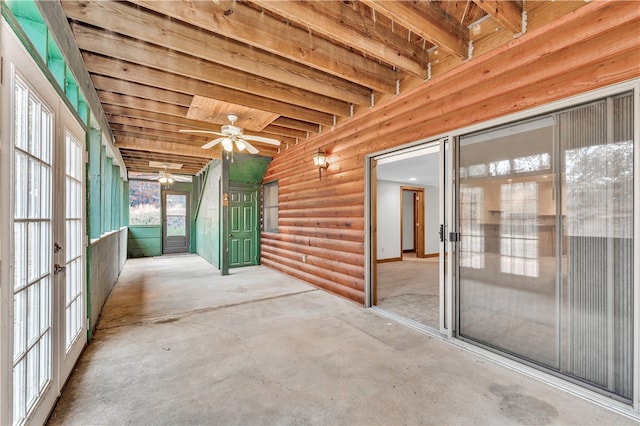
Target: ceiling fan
(163, 176)
(232, 134)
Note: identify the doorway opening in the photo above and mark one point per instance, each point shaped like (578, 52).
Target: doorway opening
(412, 219)
(407, 211)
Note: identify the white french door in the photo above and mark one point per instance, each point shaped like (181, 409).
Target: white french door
(72, 255)
(42, 307)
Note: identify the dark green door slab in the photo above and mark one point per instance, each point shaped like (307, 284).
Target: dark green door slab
(243, 227)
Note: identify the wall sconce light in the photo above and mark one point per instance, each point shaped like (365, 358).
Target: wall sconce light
(320, 161)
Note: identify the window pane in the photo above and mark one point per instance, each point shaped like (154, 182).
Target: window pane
(597, 149)
(505, 302)
(144, 203)
(176, 226)
(270, 207)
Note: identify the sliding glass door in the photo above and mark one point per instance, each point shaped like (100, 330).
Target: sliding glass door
(546, 250)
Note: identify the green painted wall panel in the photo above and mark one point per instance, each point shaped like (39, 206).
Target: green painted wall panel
(248, 168)
(144, 241)
(207, 229)
(141, 232)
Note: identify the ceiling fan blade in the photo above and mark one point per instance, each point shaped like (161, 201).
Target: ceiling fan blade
(262, 139)
(212, 143)
(250, 148)
(208, 132)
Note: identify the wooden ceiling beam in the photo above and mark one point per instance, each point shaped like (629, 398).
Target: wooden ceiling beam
(337, 21)
(296, 124)
(152, 77)
(148, 124)
(172, 127)
(508, 13)
(134, 102)
(284, 131)
(141, 53)
(147, 133)
(159, 117)
(140, 24)
(165, 158)
(151, 145)
(427, 21)
(242, 23)
(115, 85)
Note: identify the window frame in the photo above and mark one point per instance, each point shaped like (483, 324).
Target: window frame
(269, 209)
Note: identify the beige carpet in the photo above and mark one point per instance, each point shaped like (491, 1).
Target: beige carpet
(410, 288)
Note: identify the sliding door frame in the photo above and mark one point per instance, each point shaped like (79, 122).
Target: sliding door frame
(572, 102)
(452, 271)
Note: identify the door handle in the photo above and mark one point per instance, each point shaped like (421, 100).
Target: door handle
(57, 269)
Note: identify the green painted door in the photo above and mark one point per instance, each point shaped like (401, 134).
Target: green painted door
(243, 227)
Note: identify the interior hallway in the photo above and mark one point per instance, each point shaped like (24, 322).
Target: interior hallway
(179, 344)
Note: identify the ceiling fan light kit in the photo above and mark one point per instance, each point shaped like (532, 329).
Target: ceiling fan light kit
(231, 135)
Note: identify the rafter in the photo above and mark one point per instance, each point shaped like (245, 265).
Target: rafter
(508, 13)
(136, 103)
(157, 115)
(149, 145)
(139, 161)
(242, 23)
(118, 47)
(338, 21)
(429, 22)
(146, 132)
(126, 19)
(152, 77)
(174, 128)
(115, 85)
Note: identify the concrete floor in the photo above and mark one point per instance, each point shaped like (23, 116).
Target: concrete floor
(179, 344)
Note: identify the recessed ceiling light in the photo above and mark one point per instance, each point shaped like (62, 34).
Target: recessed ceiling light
(413, 179)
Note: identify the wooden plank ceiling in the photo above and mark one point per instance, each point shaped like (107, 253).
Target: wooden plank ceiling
(288, 69)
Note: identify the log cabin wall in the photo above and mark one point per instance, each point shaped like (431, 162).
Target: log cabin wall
(321, 232)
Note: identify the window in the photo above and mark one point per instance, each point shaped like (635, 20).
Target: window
(471, 225)
(270, 207)
(518, 230)
(144, 203)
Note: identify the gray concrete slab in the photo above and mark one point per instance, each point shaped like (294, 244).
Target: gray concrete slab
(178, 344)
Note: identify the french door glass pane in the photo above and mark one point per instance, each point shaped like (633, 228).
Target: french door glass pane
(33, 141)
(74, 240)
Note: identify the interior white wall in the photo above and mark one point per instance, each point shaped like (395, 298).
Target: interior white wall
(388, 216)
(431, 220)
(407, 220)
(388, 220)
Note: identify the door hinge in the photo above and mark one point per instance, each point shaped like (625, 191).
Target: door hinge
(1, 69)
